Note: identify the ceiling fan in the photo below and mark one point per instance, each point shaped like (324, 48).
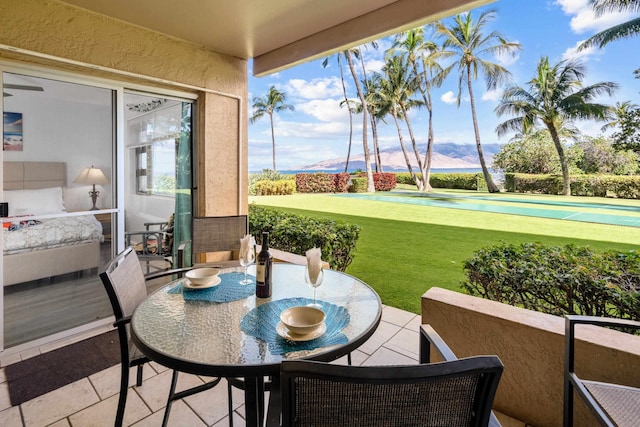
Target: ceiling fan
(20, 87)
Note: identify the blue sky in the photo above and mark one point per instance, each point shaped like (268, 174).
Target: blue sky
(318, 128)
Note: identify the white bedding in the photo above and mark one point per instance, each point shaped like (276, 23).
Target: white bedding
(53, 233)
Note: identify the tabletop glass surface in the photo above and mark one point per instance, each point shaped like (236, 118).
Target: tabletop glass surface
(210, 333)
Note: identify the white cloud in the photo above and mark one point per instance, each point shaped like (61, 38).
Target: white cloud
(310, 130)
(573, 53)
(584, 20)
(449, 98)
(492, 95)
(319, 88)
(325, 110)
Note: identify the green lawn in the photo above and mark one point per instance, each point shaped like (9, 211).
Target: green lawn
(404, 250)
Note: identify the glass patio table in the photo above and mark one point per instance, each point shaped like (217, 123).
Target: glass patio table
(238, 338)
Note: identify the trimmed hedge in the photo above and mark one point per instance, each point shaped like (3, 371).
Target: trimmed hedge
(622, 186)
(322, 182)
(383, 181)
(557, 280)
(459, 181)
(358, 185)
(275, 188)
(297, 233)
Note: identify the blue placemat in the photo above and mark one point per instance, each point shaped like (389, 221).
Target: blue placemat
(261, 323)
(229, 289)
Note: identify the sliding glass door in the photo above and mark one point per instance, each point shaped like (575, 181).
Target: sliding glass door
(81, 177)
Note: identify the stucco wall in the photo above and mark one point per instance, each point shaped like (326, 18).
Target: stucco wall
(63, 31)
(531, 347)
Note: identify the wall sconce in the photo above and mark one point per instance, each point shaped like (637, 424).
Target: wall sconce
(92, 176)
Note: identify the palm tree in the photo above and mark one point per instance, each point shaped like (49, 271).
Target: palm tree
(620, 31)
(273, 102)
(618, 113)
(554, 98)
(427, 71)
(395, 92)
(344, 102)
(363, 101)
(465, 41)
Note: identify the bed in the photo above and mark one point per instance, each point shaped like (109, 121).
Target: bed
(48, 247)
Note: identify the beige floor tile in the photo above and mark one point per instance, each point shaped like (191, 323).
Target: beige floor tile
(3, 376)
(155, 390)
(406, 342)
(9, 359)
(384, 356)
(414, 324)
(396, 316)
(180, 416)
(5, 401)
(28, 354)
(61, 423)
(103, 413)
(212, 405)
(11, 417)
(59, 403)
(384, 332)
(107, 382)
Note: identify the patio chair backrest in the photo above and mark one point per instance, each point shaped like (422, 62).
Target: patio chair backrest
(218, 233)
(456, 393)
(125, 283)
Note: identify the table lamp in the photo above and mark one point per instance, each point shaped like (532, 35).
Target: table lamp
(92, 176)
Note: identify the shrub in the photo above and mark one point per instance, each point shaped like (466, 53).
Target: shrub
(296, 234)
(384, 181)
(627, 187)
(461, 181)
(266, 175)
(557, 280)
(358, 185)
(322, 182)
(404, 178)
(275, 188)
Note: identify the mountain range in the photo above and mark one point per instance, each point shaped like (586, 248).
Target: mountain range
(445, 156)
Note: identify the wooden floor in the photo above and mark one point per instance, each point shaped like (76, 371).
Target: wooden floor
(44, 307)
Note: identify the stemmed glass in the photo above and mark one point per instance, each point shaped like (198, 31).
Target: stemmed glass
(314, 285)
(246, 259)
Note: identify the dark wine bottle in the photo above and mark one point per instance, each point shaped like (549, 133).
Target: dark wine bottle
(264, 264)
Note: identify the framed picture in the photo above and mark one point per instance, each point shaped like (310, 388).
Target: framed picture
(12, 138)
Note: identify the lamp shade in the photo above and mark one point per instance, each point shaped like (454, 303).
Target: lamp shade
(91, 176)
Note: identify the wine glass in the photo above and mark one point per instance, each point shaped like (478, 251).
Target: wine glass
(246, 259)
(314, 285)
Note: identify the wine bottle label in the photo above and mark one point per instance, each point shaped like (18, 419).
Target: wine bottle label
(260, 272)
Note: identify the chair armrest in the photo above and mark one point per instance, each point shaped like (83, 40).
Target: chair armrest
(161, 224)
(145, 236)
(429, 337)
(123, 321)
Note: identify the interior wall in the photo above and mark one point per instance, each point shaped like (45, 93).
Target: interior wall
(62, 129)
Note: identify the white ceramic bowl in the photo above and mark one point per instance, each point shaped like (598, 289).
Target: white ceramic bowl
(302, 320)
(202, 276)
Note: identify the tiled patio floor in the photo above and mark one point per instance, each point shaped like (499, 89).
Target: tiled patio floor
(92, 401)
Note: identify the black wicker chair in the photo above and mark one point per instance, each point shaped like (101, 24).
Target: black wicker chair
(126, 286)
(611, 404)
(452, 393)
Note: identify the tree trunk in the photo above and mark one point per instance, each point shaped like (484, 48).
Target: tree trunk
(425, 170)
(376, 147)
(566, 179)
(346, 100)
(273, 142)
(365, 146)
(418, 182)
(491, 186)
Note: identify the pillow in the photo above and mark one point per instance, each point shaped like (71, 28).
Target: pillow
(34, 202)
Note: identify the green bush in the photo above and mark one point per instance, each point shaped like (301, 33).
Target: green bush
(404, 178)
(623, 186)
(296, 234)
(358, 185)
(266, 175)
(275, 188)
(557, 280)
(460, 181)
